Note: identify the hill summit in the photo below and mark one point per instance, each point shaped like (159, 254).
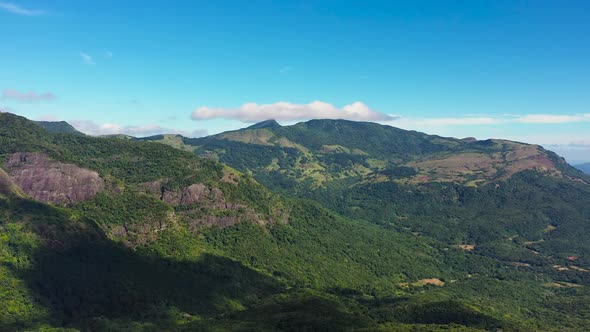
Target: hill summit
(58, 127)
(265, 124)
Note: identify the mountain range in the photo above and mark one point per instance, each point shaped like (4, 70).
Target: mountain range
(322, 225)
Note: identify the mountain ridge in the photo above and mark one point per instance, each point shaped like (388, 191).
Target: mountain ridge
(342, 139)
(169, 240)
(271, 123)
(62, 127)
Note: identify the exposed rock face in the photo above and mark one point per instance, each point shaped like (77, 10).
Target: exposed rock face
(210, 197)
(203, 198)
(143, 231)
(194, 193)
(50, 181)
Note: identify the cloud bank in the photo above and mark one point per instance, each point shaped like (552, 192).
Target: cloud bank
(552, 118)
(31, 96)
(575, 148)
(18, 10)
(418, 122)
(285, 111)
(449, 121)
(94, 129)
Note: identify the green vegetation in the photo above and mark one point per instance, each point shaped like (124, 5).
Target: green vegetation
(175, 141)
(394, 256)
(60, 127)
(318, 152)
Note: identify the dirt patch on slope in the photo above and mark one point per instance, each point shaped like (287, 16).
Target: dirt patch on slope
(520, 264)
(424, 282)
(561, 284)
(431, 281)
(466, 247)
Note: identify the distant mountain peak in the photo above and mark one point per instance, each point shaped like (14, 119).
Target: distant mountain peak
(265, 124)
(58, 127)
(584, 168)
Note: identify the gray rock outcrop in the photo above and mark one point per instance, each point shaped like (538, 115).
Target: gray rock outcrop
(50, 181)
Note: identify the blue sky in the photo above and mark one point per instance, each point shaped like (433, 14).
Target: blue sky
(506, 69)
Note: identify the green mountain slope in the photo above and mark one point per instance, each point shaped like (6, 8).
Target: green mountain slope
(324, 151)
(58, 127)
(512, 202)
(107, 234)
(491, 193)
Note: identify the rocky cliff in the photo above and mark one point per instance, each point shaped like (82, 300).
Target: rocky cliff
(50, 181)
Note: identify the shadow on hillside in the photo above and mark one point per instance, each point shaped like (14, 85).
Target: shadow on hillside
(413, 310)
(79, 274)
(91, 283)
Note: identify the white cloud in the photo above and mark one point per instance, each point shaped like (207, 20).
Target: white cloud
(574, 140)
(87, 59)
(285, 69)
(284, 111)
(574, 148)
(552, 118)
(16, 9)
(31, 96)
(527, 119)
(108, 55)
(443, 122)
(94, 129)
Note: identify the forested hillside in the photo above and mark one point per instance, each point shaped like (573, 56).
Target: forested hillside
(499, 197)
(108, 234)
(58, 127)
